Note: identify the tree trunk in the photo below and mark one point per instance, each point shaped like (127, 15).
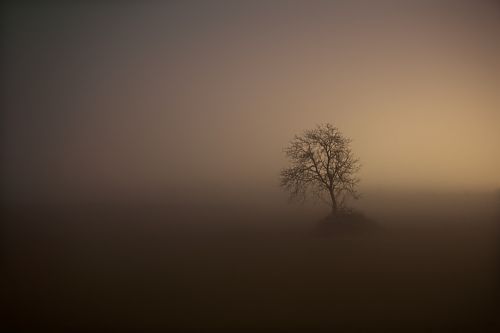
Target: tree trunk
(334, 202)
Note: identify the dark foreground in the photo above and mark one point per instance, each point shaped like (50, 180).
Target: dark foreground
(95, 270)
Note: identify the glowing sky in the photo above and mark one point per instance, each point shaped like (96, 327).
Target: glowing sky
(193, 95)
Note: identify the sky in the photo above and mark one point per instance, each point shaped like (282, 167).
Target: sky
(202, 96)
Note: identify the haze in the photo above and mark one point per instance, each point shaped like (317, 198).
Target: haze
(142, 143)
(202, 97)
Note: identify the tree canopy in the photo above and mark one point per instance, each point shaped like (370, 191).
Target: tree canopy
(322, 164)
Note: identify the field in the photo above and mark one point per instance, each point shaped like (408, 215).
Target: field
(177, 269)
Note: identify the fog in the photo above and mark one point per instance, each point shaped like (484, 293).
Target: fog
(187, 96)
(142, 145)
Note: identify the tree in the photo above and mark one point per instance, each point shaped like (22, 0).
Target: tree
(322, 163)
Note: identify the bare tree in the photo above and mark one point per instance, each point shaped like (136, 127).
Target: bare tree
(322, 163)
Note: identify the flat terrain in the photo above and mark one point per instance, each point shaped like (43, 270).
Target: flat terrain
(96, 269)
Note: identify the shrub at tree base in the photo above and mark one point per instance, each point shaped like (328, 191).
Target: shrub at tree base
(347, 222)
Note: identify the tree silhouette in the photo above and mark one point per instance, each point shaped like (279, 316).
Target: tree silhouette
(321, 163)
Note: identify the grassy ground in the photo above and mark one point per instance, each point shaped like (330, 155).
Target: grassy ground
(88, 271)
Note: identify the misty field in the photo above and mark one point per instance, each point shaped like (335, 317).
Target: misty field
(176, 269)
(154, 155)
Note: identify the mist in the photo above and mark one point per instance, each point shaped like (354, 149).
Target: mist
(139, 98)
(142, 145)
